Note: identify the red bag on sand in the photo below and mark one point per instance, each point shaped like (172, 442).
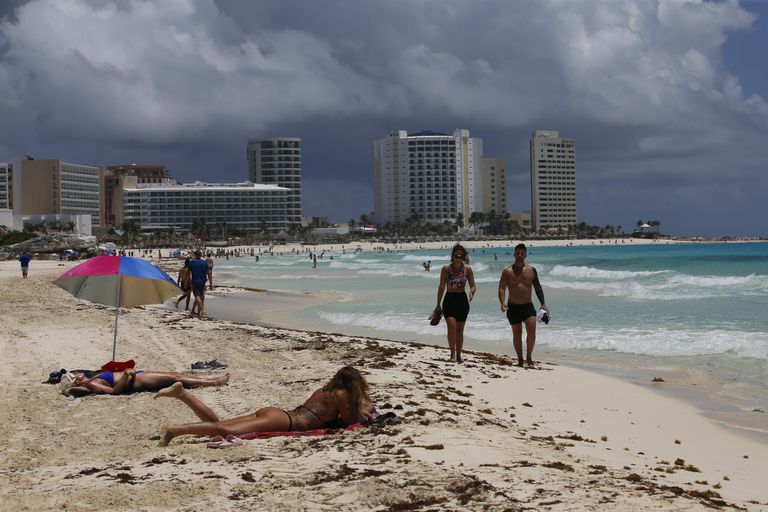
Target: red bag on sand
(118, 366)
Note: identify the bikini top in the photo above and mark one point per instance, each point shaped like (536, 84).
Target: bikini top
(457, 280)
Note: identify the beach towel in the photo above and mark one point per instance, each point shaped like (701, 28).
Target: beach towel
(118, 366)
(303, 433)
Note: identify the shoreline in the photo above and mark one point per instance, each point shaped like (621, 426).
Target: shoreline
(676, 386)
(484, 435)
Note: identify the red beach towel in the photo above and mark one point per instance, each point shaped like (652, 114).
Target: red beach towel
(304, 433)
(118, 366)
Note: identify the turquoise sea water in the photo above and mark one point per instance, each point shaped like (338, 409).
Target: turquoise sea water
(700, 307)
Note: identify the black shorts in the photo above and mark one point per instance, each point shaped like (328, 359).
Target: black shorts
(186, 288)
(198, 290)
(456, 305)
(518, 313)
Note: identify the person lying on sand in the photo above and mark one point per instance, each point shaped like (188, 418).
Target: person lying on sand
(130, 380)
(343, 401)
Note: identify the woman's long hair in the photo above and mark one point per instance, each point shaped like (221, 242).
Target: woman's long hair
(352, 381)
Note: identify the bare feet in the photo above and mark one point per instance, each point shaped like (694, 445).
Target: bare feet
(175, 390)
(166, 435)
(222, 380)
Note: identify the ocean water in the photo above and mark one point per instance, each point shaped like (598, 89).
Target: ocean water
(697, 307)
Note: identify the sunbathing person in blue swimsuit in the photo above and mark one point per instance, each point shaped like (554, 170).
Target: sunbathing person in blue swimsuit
(342, 402)
(130, 380)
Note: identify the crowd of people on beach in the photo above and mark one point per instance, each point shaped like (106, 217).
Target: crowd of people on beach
(344, 400)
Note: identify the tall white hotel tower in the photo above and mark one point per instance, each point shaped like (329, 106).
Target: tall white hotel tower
(277, 161)
(553, 181)
(429, 174)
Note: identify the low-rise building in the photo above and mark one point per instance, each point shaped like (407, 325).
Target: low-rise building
(245, 206)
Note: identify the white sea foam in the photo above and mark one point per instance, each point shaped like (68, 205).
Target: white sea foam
(424, 257)
(581, 272)
(660, 342)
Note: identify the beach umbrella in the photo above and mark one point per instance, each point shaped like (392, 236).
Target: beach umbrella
(118, 281)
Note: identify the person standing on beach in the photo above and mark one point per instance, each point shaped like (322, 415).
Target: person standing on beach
(185, 283)
(199, 272)
(24, 260)
(209, 261)
(455, 304)
(521, 279)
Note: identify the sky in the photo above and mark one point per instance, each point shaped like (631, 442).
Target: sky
(667, 99)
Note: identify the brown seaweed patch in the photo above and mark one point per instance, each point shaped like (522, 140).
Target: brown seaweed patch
(559, 465)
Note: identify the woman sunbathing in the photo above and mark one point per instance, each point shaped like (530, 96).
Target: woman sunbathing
(343, 400)
(130, 380)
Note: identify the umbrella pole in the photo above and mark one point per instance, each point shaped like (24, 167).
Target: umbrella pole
(114, 340)
(117, 314)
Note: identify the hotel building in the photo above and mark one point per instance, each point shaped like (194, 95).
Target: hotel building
(553, 181)
(143, 173)
(277, 161)
(246, 206)
(44, 187)
(427, 174)
(493, 174)
(5, 186)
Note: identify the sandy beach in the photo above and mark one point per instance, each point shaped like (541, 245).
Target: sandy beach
(484, 435)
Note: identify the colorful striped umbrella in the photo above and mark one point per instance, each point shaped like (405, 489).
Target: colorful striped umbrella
(118, 281)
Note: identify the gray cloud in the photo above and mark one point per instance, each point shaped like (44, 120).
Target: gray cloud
(640, 84)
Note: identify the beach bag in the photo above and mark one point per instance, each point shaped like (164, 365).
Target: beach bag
(118, 366)
(434, 318)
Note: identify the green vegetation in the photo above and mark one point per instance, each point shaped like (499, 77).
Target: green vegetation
(14, 237)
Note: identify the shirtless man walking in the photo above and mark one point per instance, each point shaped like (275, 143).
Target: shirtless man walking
(521, 279)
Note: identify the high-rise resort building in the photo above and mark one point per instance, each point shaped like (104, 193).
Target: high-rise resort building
(553, 181)
(5, 186)
(143, 173)
(44, 187)
(277, 161)
(246, 206)
(427, 174)
(493, 172)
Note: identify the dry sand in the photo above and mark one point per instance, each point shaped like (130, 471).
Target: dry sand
(484, 435)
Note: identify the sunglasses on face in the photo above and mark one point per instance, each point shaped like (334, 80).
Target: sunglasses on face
(460, 256)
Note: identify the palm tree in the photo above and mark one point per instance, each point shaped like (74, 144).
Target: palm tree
(131, 228)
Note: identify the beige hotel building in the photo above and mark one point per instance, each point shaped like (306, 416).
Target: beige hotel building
(553, 181)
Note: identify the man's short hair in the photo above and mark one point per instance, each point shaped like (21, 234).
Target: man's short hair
(523, 247)
(198, 253)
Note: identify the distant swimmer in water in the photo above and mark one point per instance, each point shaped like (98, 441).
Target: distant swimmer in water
(427, 265)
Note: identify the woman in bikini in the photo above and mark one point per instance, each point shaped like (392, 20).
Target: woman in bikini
(130, 380)
(342, 402)
(455, 304)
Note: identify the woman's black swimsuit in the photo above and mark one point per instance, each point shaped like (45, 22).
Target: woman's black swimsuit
(296, 410)
(456, 305)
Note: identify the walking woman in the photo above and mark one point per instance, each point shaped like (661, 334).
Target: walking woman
(453, 281)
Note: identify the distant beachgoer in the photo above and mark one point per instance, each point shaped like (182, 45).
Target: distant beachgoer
(185, 283)
(314, 261)
(521, 279)
(343, 401)
(209, 261)
(199, 272)
(24, 260)
(130, 380)
(427, 265)
(455, 304)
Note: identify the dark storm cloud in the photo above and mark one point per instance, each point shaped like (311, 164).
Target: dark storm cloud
(663, 129)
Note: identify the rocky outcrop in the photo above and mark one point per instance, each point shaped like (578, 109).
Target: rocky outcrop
(49, 246)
